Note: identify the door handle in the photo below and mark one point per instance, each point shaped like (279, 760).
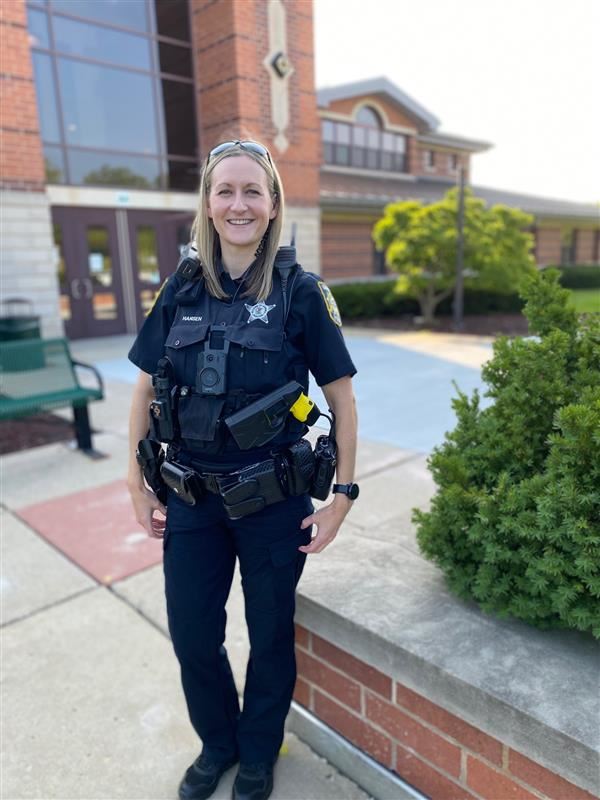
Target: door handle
(87, 282)
(75, 289)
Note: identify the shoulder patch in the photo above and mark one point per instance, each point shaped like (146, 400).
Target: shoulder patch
(330, 303)
(157, 295)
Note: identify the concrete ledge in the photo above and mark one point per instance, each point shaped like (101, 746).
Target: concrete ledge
(371, 776)
(536, 692)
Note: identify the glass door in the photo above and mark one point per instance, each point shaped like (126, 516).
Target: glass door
(156, 239)
(89, 272)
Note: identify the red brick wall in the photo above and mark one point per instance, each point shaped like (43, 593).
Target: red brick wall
(230, 41)
(441, 167)
(346, 249)
(547, 246)
(584, 246)
(428, 747)
(395, 115)
(21, 159)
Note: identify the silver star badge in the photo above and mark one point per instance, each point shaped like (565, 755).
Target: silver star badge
(259, 311)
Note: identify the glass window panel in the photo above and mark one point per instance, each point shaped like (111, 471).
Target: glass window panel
(175, 59)
(54, 160)
(180, 122)
(388, 142)
(400, 144)
(129, 13)
(65, 298)
(342, 154)
(386, 160)
(37, 24)
(372, 159)
(107, 108)
(184, 236)
(343, 132)
(46, 97)
(373, 138)
(328, 130)
(366, 116)
(109, 169)
(359, 136)
(101, 272)
(172, 19)
(400, 163)
(184, 175)
(358, 156)
(328, 152)
(92, 41)
(147, 254)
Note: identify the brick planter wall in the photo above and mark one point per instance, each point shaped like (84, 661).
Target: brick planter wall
(437, 752)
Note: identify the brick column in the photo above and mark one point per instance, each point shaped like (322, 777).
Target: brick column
(231, 41)
(28, 254)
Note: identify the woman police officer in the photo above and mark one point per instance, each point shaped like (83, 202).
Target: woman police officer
(263, 331)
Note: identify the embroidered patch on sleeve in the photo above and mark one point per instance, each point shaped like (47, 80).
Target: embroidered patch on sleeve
(156, 296)
(330, 304)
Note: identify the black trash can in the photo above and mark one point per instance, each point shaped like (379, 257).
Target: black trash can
(19, 323)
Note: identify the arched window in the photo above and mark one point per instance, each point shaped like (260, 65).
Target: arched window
(368, 117)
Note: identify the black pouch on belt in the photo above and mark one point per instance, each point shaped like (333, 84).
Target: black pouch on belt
(300, 460)
(185, 482)
(250, 489)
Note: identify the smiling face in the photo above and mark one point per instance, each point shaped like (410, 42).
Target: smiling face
(239, 203)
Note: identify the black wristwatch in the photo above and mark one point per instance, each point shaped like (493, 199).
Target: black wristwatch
(349, 489)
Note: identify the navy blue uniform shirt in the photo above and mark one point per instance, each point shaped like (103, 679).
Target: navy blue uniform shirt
(312, 323)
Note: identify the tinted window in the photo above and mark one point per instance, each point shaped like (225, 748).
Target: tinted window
(107, 108)
(104, 44)
(180, 122)
(37, 23)
(129, 13)
(366, 116)
(184, 176)
(172, 19)
(46, 97)
(175, 60)
(54, 161)
(107, 169)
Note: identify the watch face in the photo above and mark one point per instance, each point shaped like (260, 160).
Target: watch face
(353, 491)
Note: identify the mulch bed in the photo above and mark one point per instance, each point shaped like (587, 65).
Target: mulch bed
(33, 431)
(478, 325)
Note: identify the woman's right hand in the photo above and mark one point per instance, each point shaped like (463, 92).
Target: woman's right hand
(145, 503)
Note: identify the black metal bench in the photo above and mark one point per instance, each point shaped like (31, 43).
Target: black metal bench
(40, 374)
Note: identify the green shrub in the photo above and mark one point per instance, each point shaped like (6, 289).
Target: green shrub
(580, 276)
(515, 523)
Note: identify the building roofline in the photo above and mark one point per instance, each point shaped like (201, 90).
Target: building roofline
(452, 140)
(381, 85)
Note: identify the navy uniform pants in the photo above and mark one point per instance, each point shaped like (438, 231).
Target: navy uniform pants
(201, 545)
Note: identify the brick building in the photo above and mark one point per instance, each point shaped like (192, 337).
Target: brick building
(109, 108)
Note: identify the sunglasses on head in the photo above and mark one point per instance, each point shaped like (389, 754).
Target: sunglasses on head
(252, 147)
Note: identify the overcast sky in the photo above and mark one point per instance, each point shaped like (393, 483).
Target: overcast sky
(520, 74)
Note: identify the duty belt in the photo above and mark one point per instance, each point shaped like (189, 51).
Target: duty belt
(248, 489)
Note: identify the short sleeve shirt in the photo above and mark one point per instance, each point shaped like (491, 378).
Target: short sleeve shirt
(313, 324)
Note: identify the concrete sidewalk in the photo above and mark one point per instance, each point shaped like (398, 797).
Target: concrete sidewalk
(92, 703)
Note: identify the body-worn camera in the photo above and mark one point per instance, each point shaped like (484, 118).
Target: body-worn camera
(211, 372)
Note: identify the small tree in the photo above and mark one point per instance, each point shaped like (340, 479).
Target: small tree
(420, 243)
(515, 523)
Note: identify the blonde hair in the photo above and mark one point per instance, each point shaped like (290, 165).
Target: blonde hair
(206, 239)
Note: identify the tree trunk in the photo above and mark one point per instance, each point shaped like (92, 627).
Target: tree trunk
(429, 301)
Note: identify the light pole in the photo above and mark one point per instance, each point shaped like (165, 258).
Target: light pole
(460, 252)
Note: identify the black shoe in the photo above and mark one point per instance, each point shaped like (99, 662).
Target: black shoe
(203, 776)
(253, 782)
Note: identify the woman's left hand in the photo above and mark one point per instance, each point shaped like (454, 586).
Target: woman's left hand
(328, 521)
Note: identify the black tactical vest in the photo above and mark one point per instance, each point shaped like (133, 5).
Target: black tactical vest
(259, 358)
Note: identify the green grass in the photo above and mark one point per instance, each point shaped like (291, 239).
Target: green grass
(586, 300)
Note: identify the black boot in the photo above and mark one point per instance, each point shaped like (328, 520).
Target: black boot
(203, 776)
(253, 782)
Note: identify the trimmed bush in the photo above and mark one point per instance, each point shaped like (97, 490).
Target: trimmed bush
(515, 523)
(580, 276)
